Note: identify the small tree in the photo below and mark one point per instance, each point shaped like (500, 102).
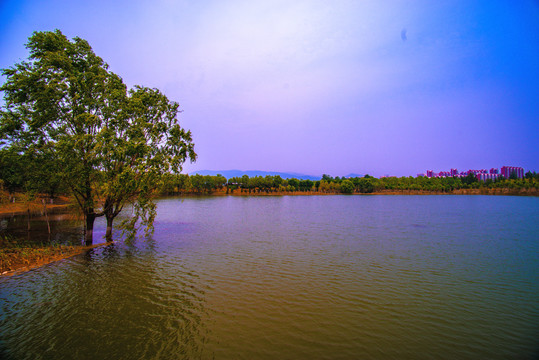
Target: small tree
(469, 179)
(293, 183)
(365, 185)
(306, 185)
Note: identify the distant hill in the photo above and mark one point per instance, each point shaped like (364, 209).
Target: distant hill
(252, 173)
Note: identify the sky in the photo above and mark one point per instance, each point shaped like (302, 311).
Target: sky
(336, 87)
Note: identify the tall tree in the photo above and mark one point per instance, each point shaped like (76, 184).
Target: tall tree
(110, 146)
(142, 145)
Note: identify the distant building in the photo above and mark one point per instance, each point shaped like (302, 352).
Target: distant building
(480, 174)
(476, 172)
(485, 176)
(508, 170)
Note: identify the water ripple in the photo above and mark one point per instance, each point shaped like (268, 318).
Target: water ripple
(304, 277)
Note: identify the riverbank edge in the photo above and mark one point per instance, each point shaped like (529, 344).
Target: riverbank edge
(7, 210)
(36, 263)
(484, 191)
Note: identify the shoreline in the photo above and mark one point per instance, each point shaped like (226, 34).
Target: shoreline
(58, 253)
(484, 191)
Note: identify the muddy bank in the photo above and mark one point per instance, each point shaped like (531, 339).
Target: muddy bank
(15, 260)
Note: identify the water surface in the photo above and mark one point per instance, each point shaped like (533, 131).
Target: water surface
(336, 277)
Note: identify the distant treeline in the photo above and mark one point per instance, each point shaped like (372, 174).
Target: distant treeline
(200, 184)
(12, 181)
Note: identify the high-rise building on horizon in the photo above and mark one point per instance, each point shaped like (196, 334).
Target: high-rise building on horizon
(485, 176)
(508, 170)
(481, 174)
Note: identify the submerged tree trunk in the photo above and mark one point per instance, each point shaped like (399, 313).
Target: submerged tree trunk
(89, 235)
(28, 213)
(108, 234)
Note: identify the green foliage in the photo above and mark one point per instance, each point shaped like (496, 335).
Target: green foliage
(306, 185)
(470, 179)
(327, 178)
(531, 175)
(206, 183)
(347, 187)
(294, 183)
(277, 181)
(365, 185)
(12, 170)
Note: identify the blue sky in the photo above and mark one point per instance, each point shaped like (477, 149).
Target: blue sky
(378, 87)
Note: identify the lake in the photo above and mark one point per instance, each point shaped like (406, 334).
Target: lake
(293, 277)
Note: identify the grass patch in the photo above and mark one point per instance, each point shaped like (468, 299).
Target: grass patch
(14, 256)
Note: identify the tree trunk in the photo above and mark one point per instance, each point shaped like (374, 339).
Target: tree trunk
(28, 213)
(108, 234)
(46, 215)
(89, 236)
